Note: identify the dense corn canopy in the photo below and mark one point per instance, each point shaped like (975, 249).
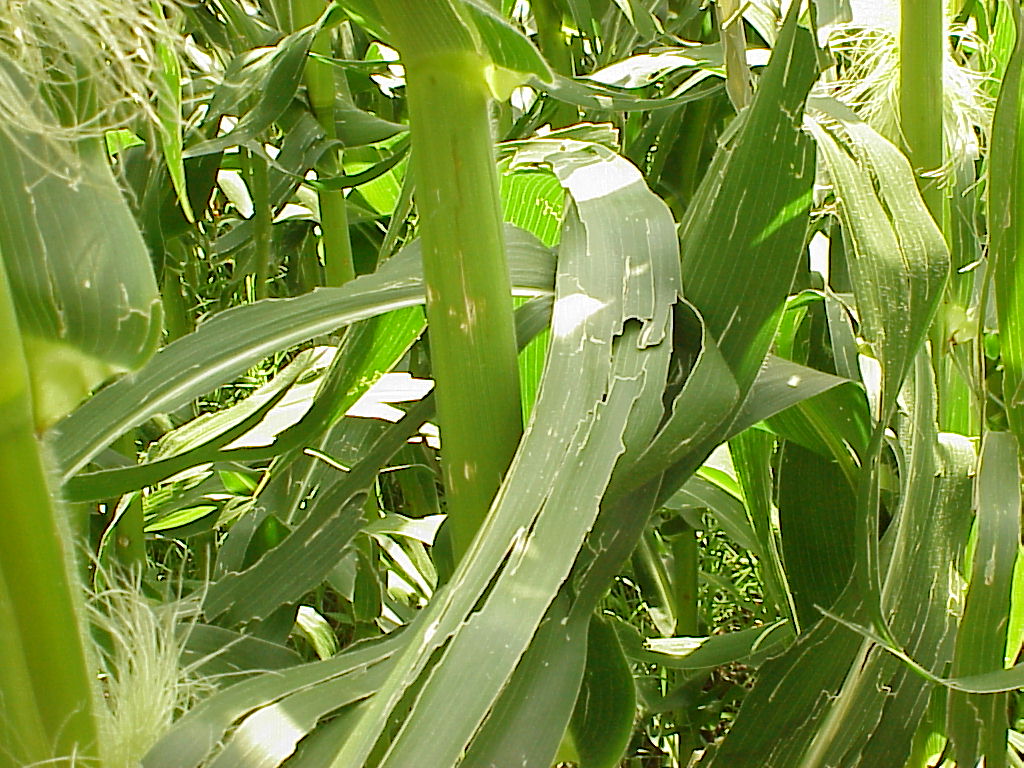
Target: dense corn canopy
(462, 383)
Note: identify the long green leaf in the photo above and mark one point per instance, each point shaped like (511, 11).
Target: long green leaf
(306, 556)
(282, 68)
(848, 702)
(522, 728)
(901, 262)
(977, 724)
(550, 496)
(758, 218)
(899, 269)
(747, 246)
(602, 722)
(197, 734)
(237, 339)
(1005, 199)
(197, 442)
(79, 271)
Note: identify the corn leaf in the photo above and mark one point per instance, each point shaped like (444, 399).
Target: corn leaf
(348, 677)
(602, 722)
(899, 270)
(79, 271)
(281, 68)
(817, 521)
(901, 262)
(238, 338)
(976, 724)
(740, 244)
(305, 557)
(759, 219)
(849, 702)
(524, 729)
(550, 497)
(1005, 198)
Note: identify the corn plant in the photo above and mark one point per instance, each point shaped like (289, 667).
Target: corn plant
(468, 383)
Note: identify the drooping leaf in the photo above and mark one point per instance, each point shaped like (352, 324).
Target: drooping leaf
(351, 676)
(764, 236)
(781, 384)
(543, 508)
(280, 70)
(900, 261)
(305, 557)
(848, 702)
(899, 269)
(976, 724)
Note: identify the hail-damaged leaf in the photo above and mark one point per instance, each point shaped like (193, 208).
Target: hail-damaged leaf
(900, 261)
(615, 285)
(977, 724)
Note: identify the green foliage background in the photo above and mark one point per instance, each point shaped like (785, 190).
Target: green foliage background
(454, 383)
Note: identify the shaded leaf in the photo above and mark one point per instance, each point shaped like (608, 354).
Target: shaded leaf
(602, 721)
(78, 268)
(1005, 199)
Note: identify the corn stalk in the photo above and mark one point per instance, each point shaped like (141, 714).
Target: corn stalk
(921, 57)
(320, 85)
(469, 309)
(44, 679)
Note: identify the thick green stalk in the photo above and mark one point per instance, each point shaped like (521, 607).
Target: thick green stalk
(550, 39)
(21, 727)
(921, 57)
(45, 687)
(320, 85)
(469, 306)
(922, 50)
